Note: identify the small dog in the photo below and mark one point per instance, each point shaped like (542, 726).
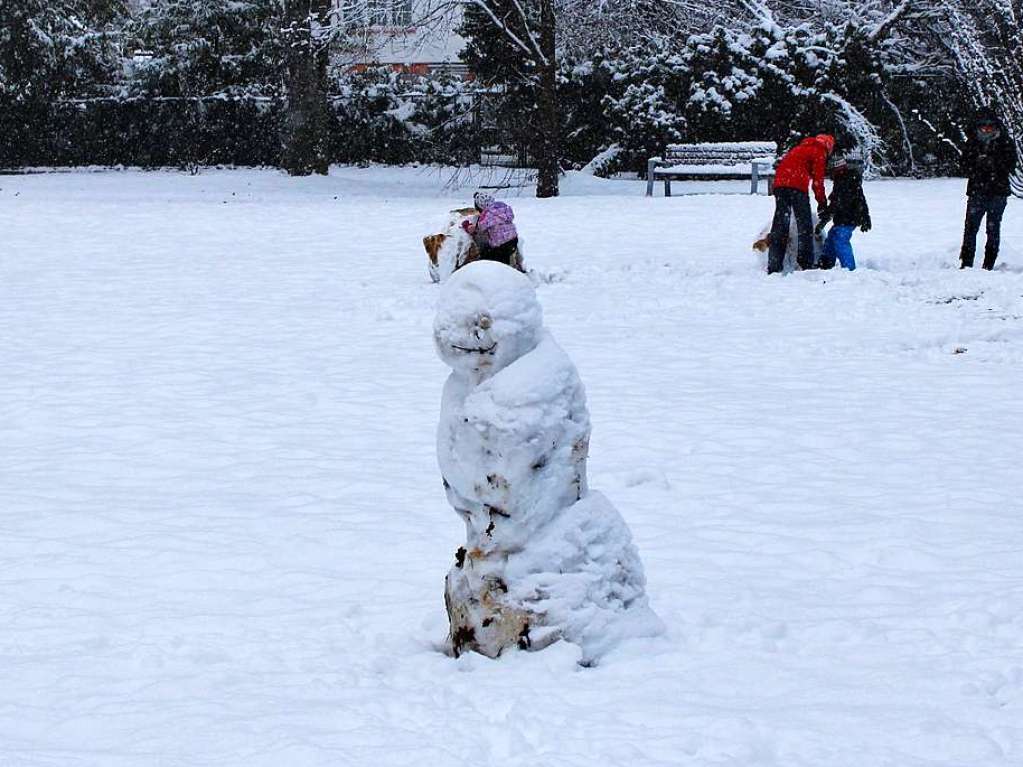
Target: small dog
(452, 248)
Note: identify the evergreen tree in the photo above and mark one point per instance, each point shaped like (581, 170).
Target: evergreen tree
(646, 109)
(51, 51)
(208, 47)
(783, 83)
(512, 48)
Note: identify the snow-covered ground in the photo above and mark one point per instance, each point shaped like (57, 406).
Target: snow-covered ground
(224, 535)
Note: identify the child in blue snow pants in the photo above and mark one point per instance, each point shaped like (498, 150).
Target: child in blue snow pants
(847, 209)
(839, 246)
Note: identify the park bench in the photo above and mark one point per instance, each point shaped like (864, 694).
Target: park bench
(751, 160)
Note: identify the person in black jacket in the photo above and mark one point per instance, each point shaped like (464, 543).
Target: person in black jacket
(988, 160)
(847, 209)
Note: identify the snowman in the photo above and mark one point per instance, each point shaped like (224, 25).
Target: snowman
(545, 559)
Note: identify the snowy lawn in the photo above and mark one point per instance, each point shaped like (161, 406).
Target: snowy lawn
(224, 534)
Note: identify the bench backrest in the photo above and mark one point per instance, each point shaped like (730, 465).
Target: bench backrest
(725, 153)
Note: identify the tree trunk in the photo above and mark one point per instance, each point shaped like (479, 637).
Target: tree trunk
(548, 162)
(306, 121)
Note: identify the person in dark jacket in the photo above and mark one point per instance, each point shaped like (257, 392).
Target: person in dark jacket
(988, 161)
(847, 209)
(798, 170)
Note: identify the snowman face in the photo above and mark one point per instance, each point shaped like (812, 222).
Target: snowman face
(487, 318)
(471, 347)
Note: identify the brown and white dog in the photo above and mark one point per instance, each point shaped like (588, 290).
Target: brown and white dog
(452, 248)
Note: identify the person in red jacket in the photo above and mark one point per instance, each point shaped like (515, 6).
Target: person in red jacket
(799, 169)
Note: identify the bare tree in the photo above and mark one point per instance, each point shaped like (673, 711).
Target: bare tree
(529, 29)
(549, 159)
(540, 32)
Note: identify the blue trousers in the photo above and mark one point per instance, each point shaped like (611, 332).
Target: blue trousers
(839, 245)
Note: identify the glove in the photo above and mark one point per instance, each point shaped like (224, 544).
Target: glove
(865, 226)
(819, 229)
(823, 211)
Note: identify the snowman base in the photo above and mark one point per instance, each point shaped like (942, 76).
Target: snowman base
(479, 616)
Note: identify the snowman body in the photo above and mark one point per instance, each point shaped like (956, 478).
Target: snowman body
(544, 558)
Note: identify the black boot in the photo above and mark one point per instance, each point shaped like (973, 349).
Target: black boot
(989, 261)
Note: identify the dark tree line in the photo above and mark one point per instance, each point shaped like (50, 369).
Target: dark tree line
(268, 81)
(57, 53)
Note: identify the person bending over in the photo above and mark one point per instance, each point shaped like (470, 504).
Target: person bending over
(800, 168)
(494, 230)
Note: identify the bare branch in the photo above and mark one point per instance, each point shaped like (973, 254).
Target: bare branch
(885, 27)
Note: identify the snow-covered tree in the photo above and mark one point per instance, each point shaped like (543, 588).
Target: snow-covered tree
(512, 44)
(984, 40)
(382, 116)
(52, 49)
(640, 92)
(778, 82)
(206, 48)
(566, 79)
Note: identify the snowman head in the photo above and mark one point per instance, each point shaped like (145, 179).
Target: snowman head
(487, 318)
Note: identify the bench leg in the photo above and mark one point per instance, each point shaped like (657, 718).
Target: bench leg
(651, 166)
(667, 187)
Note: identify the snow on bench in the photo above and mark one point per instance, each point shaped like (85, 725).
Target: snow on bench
(721, 161)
